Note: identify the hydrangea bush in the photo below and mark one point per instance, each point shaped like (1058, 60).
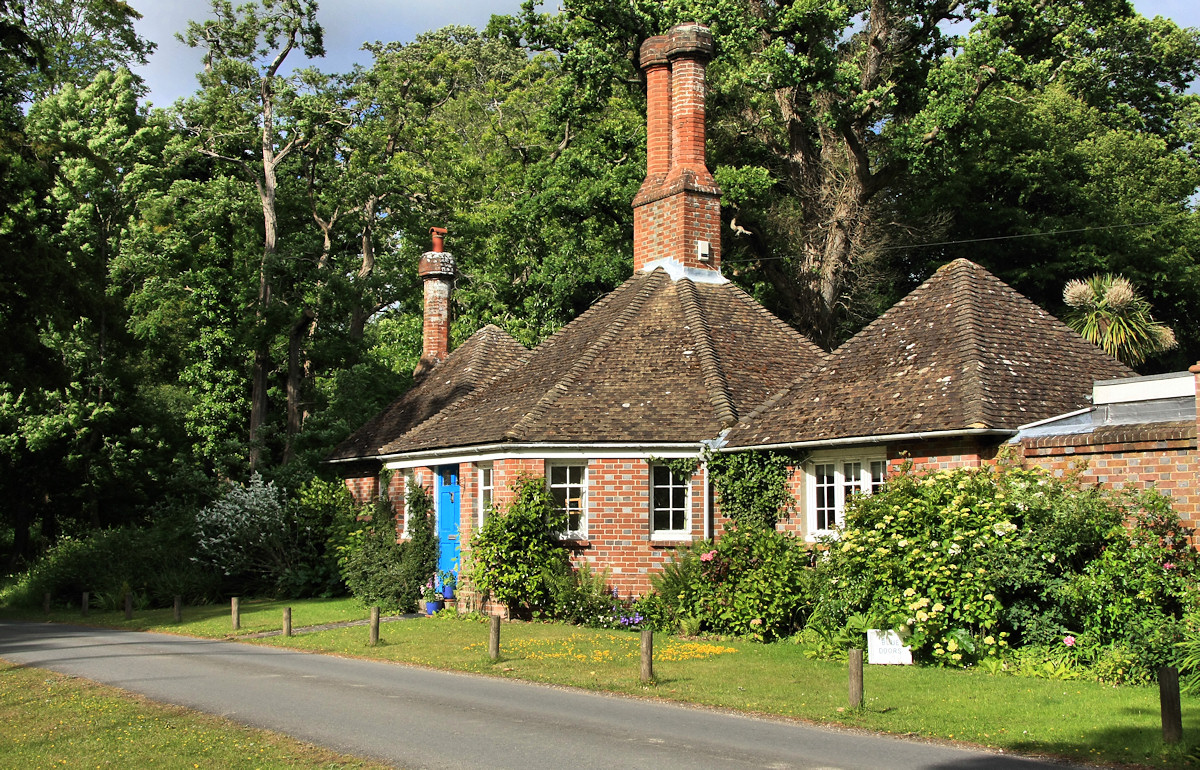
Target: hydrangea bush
(968, 563)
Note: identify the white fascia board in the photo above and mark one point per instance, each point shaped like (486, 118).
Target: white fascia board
(1150, 388)
(883, 439)
(492, 452)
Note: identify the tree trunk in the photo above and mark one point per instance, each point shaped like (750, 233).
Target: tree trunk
(297, 370)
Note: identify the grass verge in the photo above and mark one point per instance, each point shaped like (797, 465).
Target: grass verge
(53, 719)
(1083, 721)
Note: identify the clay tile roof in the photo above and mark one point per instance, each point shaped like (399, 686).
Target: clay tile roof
(656, 360)
(484, 356)
(963, 350)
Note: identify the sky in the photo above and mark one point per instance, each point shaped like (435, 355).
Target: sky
(171, 73)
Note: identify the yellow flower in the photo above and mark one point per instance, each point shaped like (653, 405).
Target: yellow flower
(989, 640)
(938, 607)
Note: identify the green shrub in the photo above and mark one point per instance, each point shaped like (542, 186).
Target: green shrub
(513, 553)
(671, 585)
(966, 562)
(262, 543)
(378, 570)
(419, 556)
(753, 582)
(152, 562)
(370, 562)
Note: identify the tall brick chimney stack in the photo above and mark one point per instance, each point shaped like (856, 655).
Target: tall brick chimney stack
(436, 269)
(677, 211)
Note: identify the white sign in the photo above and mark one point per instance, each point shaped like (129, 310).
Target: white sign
(884, 648)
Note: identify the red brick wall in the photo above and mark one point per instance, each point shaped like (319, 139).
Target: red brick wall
(618, 517)
(1165, 458)
(942, 455)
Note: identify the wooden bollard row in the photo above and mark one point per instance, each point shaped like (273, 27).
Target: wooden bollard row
(85, 603)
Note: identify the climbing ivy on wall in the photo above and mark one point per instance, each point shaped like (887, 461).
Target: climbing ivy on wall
(681, 467)
(752, 487)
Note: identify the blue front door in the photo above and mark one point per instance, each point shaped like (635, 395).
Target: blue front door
(449, 499)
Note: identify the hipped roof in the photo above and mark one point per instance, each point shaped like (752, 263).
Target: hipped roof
(483, 357)
(660, 359)
(962, 351)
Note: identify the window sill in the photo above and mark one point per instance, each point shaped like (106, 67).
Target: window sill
(673, 541)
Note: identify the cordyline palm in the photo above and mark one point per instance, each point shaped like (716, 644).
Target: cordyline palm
(1107, 311)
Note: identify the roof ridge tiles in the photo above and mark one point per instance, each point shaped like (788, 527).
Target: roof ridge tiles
(972, 349)
(714, 376)
(555, 391)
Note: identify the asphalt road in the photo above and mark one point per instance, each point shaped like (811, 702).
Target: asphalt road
(413, 717)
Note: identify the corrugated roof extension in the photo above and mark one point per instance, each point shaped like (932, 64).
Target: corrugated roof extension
(963, 351)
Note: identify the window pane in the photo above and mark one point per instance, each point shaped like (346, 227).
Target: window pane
(826, 498)
(878, 469)
(668, 501)
(558, 474)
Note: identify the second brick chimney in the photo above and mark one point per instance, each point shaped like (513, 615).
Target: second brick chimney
(677, 211)
(436, 269)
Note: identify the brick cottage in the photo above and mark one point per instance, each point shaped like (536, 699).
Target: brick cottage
(678, 358)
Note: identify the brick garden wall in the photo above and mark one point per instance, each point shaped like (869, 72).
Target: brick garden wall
(1162, 456)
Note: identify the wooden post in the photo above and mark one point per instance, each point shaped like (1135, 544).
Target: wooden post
(178, 609)
(1168, 698)
(287, 621)
(856, 678)
(83, 606)
(128, 606)
(374, 626)
(235, 613)
(46, 602)
(647, 654)
(494, 638)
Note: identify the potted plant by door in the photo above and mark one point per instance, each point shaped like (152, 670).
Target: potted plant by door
(431, 597)
(449, 580)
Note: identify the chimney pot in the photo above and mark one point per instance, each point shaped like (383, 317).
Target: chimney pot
(654, 51)
(439, 238)
(691, 40)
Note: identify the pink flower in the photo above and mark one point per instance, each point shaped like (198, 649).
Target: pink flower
(1169, 565)
(1069, 641)
(708, 556)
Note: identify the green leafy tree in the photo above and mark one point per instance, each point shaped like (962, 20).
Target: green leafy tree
(75, 40)
(240, 117)
(824, 117)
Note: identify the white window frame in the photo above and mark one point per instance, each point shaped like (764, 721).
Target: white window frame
(581, 532)
(485, 492)
(840, 485)
(674, 482)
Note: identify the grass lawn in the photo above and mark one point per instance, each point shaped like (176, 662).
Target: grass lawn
(52, 719)
(1084, 721)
